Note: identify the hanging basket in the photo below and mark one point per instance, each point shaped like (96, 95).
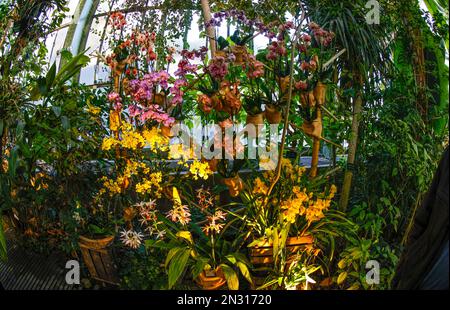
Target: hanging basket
(320, 92)
(313, 128)
(262, 253)
(257, 119)
(241, 54)
(213, 163)
(235, 185)
(273, 115)
(211, 279)
(98, 259)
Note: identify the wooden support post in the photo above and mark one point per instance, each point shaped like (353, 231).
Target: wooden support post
(316, 150)
(210, 29)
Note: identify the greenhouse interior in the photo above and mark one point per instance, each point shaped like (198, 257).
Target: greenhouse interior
(230, 145)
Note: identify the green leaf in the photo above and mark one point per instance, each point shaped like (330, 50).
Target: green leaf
(51, 74)
(57, 111)
(65, 122)
(231, 276)
(171, 255)
(199, 267)
(244, 271)
(178, 265)
(341, 278)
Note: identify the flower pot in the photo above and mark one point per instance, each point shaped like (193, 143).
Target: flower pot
(213, 164)
(235, 185)
(313, 128)
(320, 92)
(257, 119)
(241, 54)
(98, 259)
(262, 253)
(166, 130)
(211, 279)
(273, 115)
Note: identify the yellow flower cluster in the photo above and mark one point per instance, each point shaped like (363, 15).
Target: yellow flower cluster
(93, 110)
(200, 170)
(151, 185)
(295, 206)
(178, 151)
(315, 210)
(122, 182)
(113, 186)
(133, 140)
(133, 167)
(155, 140)
(259, 187)
(109, 143)
(291, 172)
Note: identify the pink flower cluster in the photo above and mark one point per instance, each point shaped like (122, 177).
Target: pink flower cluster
(142, 90)
(177, 92)
(185, 67)
(301, 85)
(218, 68)
(276, 49)
(309, 66)
(116, 100)
(322, 36)
(255, 68)
(152, 112)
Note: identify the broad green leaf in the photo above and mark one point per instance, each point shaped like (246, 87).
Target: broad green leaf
(171, 255)
(199, 267)
(65, 122)
(244, 271)
(231, 276)
(186, 235)
(176, 196)
(178, 265)
(51, 74)
(341, 278)
(56, 110)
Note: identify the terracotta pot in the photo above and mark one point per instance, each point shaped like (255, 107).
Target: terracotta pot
(212, 279)
(221, 53)
(166, 130)
(241, 53)
(273, 115)
(257, 119)
(320, 92)
(303, 99)
(313, 128)
(262, 253)
(235, 185)
(213, 163)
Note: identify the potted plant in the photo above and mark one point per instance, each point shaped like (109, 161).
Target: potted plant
(253, 107)
(229, 170)
(201, 248)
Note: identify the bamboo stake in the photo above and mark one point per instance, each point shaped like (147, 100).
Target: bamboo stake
(210, 29)
(316, 150)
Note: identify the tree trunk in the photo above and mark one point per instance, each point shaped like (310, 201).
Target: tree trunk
(210, 29)
(353, 143)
